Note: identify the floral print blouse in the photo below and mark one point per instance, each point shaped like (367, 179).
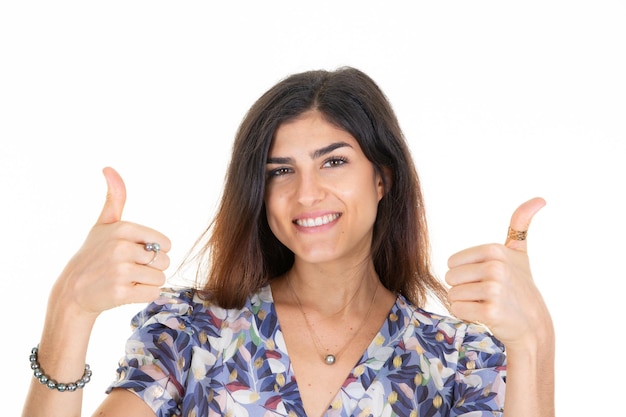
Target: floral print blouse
(187, 357)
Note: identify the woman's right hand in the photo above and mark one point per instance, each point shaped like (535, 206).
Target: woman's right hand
(110, 269)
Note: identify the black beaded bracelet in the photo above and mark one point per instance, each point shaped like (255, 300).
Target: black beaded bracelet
(51, 383)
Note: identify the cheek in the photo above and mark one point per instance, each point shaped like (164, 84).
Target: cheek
(364, 199)
(272, 213)
(371, 189)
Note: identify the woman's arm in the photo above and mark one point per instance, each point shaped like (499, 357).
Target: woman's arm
(530, 377)
(123, 403)
(492, 284)
(110, 269)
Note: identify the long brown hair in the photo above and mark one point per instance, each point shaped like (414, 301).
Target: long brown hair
(238, 253)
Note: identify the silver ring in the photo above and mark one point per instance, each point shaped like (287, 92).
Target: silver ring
(152, 247)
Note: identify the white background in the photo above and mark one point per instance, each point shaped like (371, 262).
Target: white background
(500, 103)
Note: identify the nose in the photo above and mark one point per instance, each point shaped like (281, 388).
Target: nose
(310, 189)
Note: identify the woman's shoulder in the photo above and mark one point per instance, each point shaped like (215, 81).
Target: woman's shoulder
(188, 308)
(446, 328)
(426, 316)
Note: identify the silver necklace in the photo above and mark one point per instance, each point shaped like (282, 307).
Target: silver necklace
(327, 357)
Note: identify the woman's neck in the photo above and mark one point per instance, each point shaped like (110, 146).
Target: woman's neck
(331, 291)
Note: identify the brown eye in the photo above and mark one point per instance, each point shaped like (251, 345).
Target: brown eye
(335, 162)
(278, 172)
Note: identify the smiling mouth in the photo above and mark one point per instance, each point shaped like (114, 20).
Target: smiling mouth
(317, 221)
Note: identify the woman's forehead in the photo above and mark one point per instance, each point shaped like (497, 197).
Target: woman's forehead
(310, 132)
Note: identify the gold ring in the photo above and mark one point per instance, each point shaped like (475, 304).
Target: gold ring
(516, 234)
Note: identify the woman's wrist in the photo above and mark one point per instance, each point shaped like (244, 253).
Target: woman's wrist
(40, 374)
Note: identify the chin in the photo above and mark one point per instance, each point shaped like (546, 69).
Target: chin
(317, 256)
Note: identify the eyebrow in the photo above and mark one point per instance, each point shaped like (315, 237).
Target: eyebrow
(316, 154)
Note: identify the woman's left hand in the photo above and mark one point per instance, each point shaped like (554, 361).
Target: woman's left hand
(492, 284)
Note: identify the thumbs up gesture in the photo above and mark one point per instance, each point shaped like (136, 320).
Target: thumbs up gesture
(493, 284)
(115, 265)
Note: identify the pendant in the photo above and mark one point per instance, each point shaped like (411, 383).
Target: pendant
(330, 359)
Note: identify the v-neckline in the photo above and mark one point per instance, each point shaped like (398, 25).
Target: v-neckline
(374, 356)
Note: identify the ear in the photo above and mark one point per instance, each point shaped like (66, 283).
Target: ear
(383, 181)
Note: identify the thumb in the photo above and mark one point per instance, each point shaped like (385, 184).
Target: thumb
(520, 221)
(116, 197)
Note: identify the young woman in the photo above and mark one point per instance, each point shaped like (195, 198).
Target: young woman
(315, 274)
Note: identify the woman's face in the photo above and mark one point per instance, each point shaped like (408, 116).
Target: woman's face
(322, 192)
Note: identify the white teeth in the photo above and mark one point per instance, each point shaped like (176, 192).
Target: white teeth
(317, 221)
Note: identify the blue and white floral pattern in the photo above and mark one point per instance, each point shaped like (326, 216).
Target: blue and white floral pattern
(187, 357)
